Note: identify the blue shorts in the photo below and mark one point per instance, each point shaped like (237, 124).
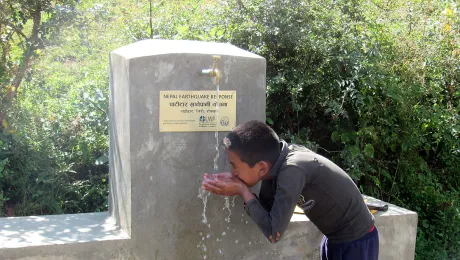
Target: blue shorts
(365, 248)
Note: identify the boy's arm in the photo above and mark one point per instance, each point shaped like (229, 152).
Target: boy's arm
(273, 223)
(266, 195)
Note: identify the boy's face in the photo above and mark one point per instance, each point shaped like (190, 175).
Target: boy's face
(249, 175)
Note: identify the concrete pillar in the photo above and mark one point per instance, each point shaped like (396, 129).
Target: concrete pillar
(155, 175)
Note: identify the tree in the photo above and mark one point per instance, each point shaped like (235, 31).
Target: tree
(24, 25)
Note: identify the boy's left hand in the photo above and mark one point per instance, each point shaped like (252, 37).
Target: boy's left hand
(223, 186)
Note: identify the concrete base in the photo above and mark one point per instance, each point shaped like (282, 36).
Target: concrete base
(94, 236)
(73, 236)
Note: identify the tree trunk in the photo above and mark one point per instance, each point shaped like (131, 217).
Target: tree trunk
(151, 22)
(32, 45)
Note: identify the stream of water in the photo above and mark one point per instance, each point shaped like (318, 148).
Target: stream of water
(216, 133)
(204, 194)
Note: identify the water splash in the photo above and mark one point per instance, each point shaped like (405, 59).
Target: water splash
(227, 205)
(203, 194)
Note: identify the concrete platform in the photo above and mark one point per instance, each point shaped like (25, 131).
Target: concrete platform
(72, 236)
(95, 236)
(58, 229)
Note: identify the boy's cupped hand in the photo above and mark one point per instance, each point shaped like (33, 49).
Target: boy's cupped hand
(223, 184)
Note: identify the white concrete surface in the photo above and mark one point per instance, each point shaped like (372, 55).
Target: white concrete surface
(18, 232)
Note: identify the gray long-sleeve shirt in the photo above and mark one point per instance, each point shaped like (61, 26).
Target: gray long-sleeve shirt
(328, 196)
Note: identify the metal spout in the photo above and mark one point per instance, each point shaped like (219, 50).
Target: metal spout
(214, 71)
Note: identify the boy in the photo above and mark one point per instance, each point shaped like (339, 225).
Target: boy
(293, 175)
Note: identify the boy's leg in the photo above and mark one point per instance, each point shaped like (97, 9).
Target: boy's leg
(330, 251)
(322, 249)
(366, 248)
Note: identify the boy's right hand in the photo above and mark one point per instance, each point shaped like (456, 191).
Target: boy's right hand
(222, 175)
(223, 184)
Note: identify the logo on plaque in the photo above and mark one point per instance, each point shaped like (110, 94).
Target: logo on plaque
(224, 121)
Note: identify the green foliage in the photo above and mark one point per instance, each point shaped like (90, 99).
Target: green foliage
(57, 127)
(24, 26)
(374, 85)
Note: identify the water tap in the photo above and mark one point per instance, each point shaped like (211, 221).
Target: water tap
(214, 71)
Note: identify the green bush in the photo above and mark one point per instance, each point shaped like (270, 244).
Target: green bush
(57, 127)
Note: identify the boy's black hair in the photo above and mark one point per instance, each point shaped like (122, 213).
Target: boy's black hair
(254, 141)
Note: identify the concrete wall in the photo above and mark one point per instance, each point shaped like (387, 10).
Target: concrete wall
(120, 137)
